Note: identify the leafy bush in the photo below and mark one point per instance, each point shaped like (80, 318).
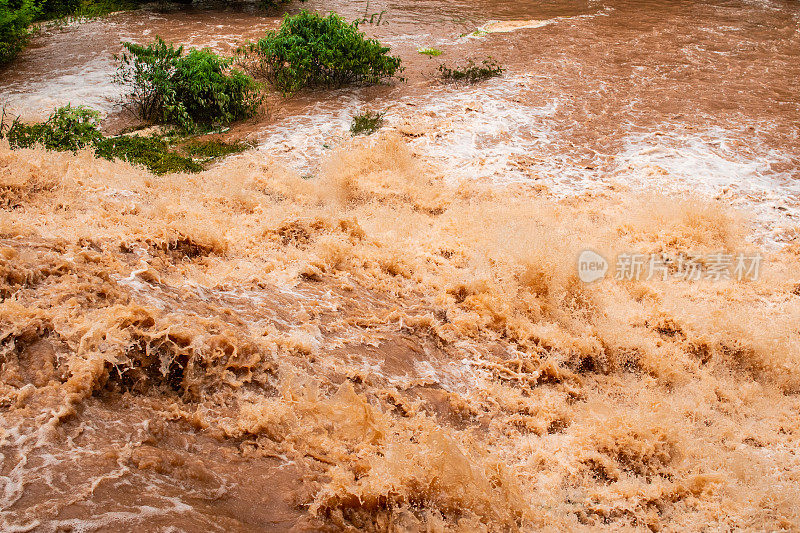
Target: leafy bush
(197, 89)
(15, 17)
(366, 123)
(312, 50)
(471, 72)
(147, 71)
(67, 128)
(210, 91)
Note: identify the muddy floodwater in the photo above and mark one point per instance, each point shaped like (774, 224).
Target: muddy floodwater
(389, 332)
(595, 92)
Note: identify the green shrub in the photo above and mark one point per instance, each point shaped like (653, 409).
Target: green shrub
(67, 128)
(147, 72)
(471, 72)
(210, 92)
(197, 89)
(15, 17)
(366, 123)
(312, 50)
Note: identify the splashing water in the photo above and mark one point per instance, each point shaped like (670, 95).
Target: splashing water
(389, 333)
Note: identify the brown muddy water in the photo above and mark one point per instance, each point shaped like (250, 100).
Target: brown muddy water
(389, 333)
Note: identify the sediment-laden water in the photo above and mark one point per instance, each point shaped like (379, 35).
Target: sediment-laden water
(390, 333)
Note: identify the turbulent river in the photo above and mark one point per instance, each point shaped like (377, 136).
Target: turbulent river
(388, 333)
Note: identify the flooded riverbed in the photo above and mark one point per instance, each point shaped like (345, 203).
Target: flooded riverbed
(691, 95)
(387, 333)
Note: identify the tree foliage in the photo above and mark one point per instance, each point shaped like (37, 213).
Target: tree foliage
(15, 18)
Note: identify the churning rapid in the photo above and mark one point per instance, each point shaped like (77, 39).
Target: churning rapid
(390, 333)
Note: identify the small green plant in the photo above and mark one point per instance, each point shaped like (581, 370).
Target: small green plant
(210, 92)
(430, 52)
(196, 90)
(5, 122)
(366, 123)
(370, 18)
(312, 50)
(471, 72)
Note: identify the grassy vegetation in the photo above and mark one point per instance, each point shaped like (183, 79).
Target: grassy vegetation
(75, 128)
(194, 91)
(312, 50)
(155, 153)
(366, 123)
(213, 149)
(472, 72)
(430, 52)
